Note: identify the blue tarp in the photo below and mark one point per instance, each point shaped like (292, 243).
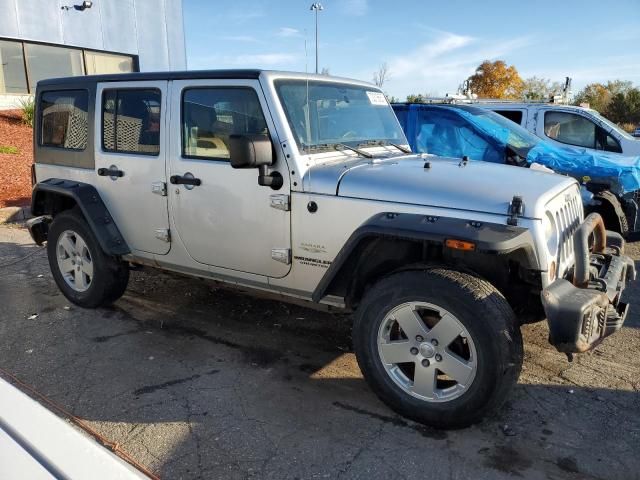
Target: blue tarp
(450, 136)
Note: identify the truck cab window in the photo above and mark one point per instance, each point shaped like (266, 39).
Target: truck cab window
(513, 115)
(570, 128)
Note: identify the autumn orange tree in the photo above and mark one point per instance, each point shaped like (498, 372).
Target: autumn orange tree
(496, 80)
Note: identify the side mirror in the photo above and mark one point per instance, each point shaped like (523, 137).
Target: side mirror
(255, 151)
(250, 151)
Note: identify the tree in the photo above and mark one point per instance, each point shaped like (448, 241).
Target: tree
(382, 75)
(596, 95)
(617, 100)
(496, 80)
(415, 98)
(540, 89)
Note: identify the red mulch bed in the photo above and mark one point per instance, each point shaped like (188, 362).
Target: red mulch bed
(15, 179)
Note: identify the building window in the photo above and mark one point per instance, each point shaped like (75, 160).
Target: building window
(12, 75)
(210, 115)
(131, 121)
(19, 75)
(63, 120)
(99, 62)
(44, 61)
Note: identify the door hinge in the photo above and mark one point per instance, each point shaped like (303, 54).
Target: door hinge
(159, 188)
(163, 234)
(280, 202)
(516, 209)
(282, 255)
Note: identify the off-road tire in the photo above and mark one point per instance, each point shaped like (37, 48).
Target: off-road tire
(110, 275)
(485, 314)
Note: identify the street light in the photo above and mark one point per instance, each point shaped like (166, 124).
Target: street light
(317, 7)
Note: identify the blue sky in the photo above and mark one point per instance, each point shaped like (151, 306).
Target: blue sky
(430, 47)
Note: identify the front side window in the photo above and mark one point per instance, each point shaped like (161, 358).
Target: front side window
(63, 119)
(131, 121)
(323, 115)
(444, 133)
(45, 61)
(570, 128)
(210, 115)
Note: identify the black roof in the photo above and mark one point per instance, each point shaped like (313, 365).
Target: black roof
(140, 76)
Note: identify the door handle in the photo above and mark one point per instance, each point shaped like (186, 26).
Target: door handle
(180, 180)
(110, 172)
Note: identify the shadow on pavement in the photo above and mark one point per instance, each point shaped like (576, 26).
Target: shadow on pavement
(196, 380)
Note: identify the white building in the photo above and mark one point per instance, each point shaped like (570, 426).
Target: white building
(55, 38)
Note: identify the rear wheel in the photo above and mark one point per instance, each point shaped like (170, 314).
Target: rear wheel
(438, 346)
(83, 272)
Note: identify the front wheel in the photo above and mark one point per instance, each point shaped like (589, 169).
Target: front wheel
(84, 273)
(438, 346)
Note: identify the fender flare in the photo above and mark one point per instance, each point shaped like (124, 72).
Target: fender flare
(46, 199)
(488, 238)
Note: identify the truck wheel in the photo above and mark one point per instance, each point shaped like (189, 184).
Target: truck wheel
(440, 347)
(84, 273)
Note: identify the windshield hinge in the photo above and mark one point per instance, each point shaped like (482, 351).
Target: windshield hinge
(516, 209)
(280, 202)
(282, 255)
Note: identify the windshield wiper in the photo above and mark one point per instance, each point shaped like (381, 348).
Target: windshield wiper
(384, 143)
(335, 146)
(339, 146)
(400, 147)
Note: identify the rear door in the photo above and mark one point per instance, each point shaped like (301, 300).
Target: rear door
(130, 160)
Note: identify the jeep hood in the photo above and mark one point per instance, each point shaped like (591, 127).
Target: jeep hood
(476, 186)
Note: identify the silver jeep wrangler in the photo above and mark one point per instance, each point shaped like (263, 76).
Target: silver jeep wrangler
(304, 185)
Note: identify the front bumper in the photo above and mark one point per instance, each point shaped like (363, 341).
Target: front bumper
(584, 311)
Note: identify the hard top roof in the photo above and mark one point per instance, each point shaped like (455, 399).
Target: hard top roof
(141, 76)
(249, 74)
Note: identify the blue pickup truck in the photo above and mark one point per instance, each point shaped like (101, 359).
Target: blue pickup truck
(611, 183)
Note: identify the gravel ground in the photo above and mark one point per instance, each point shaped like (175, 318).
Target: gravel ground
(196, 381)
(15, 188)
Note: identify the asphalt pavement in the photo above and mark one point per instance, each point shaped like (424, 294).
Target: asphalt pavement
(196, 381)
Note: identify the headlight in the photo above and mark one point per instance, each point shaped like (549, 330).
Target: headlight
(551, 233)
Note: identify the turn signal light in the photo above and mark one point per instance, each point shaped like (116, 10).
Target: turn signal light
(460, 245)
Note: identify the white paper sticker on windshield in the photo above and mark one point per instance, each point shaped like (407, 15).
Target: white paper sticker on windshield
(377, 98)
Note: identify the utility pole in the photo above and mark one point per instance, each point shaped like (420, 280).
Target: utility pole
(317, 7)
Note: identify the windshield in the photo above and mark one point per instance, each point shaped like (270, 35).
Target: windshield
(326, 114)
(611, 125)
(517, 137)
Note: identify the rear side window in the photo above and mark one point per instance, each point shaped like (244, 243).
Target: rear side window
(210, 115)
(513, 115)
(131, 121)
(63, 119)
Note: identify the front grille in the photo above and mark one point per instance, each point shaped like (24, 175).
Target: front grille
(567, 210)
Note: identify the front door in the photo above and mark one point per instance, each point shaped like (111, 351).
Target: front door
(130, 161)
(225, 219)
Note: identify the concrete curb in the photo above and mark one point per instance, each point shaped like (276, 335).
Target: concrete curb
(14, 214)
